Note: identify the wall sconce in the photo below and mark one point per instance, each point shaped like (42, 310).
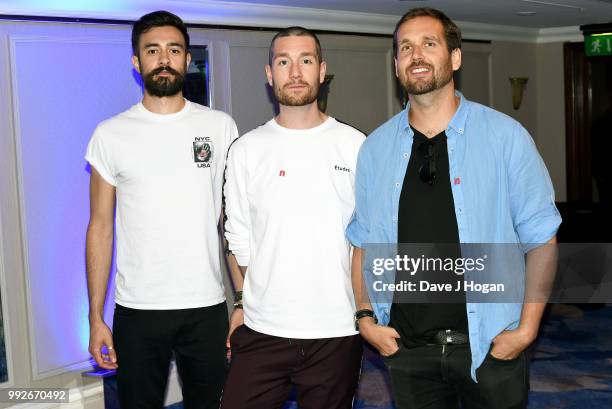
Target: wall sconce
(518, 87)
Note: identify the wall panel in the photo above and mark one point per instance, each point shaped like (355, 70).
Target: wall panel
(62, 87)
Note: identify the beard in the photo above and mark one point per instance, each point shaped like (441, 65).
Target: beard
(288, 98)
(438, 80)
(164, 86)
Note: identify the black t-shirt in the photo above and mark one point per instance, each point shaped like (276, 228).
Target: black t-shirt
(427, 215)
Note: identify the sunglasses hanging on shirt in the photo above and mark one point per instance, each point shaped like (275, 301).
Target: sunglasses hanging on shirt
(427, 171)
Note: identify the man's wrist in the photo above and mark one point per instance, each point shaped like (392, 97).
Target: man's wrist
(528, 333)
(238, 300)
(96, 317)
(365, 315)
(365, 324)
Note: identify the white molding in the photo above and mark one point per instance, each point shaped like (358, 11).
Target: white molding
(223, 51)
(217, 12)
(62, 39)
(210, 83)
(560, 34)
(494, 32)
(76, 397)
(484, 50)
(14, 40)
(20, 192)
(8, 346)
(233, 14)
(79, 366)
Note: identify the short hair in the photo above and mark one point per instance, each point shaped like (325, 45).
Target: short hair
(159, 18)
(295, 31)
(452, 33)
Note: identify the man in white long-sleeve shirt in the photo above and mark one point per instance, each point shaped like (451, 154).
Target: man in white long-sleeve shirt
(289, 196)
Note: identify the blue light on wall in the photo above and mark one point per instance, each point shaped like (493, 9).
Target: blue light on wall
(58, 106)
(75, 5)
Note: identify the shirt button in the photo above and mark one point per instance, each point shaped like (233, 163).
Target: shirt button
(405, 155)
(397, 184)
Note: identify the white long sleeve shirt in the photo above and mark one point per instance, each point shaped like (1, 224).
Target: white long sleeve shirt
(289, 197)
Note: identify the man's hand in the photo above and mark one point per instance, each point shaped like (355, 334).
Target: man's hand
(380, 337)
(236, 320)
(100, 339)
(510, 343)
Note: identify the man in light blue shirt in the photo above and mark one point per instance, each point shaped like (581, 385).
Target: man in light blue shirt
(500, 192)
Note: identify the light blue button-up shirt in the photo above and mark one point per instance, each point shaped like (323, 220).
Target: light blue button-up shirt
(501, 191)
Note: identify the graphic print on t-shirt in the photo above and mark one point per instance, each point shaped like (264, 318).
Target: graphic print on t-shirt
(203, 152)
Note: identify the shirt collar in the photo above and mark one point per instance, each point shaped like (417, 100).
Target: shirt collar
(459, 119)
(457, 122)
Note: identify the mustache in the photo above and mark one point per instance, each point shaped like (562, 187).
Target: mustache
(304, 83)
(159, 70)
(420, 64)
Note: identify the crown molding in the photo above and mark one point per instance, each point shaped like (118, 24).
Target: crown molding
(560, 34)
(495, 32)
(223, 13)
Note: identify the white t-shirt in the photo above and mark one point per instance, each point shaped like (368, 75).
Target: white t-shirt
(289, 196)
(168, 174)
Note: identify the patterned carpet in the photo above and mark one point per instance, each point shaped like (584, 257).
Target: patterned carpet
(571, 364)
(572, 360)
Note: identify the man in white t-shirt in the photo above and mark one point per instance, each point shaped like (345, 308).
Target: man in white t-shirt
(169, 292)
(289, 196)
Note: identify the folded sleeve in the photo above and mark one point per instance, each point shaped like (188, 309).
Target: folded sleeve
(532, 197)
(237, 224)
(99, 156)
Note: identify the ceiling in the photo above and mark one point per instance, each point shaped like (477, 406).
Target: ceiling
(548, 13)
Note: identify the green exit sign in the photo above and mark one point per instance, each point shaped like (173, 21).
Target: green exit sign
(596, 45)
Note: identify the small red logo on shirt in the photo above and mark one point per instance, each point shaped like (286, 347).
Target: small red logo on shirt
(281, 173)
(457, 181)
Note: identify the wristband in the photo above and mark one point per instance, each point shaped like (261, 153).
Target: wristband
(364, 313)
(238, 296)
(238, 300)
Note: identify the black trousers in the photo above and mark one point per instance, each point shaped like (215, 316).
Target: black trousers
(145, 341)
(324, 371)
(433, 377)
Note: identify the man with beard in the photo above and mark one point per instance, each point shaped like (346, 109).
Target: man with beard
(169, 291)
(448, 170)
(289, 196)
